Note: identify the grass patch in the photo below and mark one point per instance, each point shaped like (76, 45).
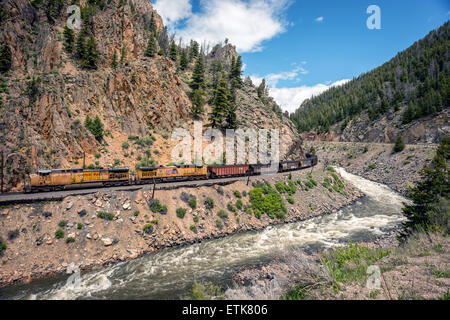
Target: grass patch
(351, 263)
(59, 234)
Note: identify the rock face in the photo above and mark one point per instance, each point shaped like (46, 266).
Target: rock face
(142, 97)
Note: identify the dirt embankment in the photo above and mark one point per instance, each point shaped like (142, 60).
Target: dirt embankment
(105, 228)
(376, 161)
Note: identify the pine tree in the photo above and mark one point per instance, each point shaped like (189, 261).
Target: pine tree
(193, 50)
(236, 72)
(5, 58)
(114, 60)
(92, 55)
(153, 24)
(399, 145)
(173, 53)
(151, 47)
(80, 49)
(430, 196)
(69, 39)
(220, 104)
(198, 76)
(197, 103)
(183, 60)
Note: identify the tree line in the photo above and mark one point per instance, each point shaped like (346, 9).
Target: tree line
(416, 82)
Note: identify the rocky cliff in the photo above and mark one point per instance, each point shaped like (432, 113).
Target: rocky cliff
(47, 95)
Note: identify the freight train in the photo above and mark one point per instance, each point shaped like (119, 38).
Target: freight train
(60, 179)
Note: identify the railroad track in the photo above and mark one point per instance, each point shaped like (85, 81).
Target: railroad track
(19, 198)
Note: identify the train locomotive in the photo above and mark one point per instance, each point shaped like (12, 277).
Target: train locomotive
(60, 179)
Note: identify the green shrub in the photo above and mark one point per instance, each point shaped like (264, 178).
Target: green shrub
(59, 234)
(148, 228)
(193, 228)
(125, 145)
(101, 214)
(239, 204)
(223, 214)
(231, 207)
(372, 166)
(290, 200)
(219, 223)
(157, 207)
(79, 226)
(193, 202)
(136, 213)
(70, 240)
(181, 212)
(62, 223)
(209, 203)
(237, 194)
(109, 216)
(196, 219)
(270, 203)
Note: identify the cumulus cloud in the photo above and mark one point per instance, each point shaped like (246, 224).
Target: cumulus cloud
(290, 99)
(272, 79)
(172, 11)
(319, 19)
(246, 23)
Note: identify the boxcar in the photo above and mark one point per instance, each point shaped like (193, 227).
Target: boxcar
(289, 165)
(173, 173)
(229, 171)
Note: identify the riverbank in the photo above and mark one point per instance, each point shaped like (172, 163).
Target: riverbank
(101, 229)
(414, 271)
(376, 161)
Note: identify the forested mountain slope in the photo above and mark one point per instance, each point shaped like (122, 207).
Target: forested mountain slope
(114, 89)
(409, 95)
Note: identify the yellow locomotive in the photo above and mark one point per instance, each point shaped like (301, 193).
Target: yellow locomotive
(49, 180)
(173, 173)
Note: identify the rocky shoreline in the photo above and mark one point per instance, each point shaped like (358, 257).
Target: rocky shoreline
(35, 254)
(376, 161)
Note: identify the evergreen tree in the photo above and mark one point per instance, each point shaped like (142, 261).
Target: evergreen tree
(399, 145)
(430, 196)
(173, 53)
(193, 50)
(197, 103)
(153, 24)
(220, 104)
(69, 39)
(5, 58)
(114, 60)
(198, 76)
(80, 49)
(151, 47)
(236, 72)
(183, 60)
(91, 59)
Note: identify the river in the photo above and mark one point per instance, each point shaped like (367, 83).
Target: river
(170, 274)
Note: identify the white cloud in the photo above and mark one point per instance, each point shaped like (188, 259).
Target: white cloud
(290, 99)
(246, 23)
(319, 19)
(273, 78)
(172, 11)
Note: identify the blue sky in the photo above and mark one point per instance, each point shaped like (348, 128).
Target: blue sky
(302, 46)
